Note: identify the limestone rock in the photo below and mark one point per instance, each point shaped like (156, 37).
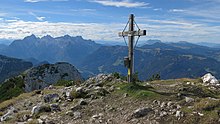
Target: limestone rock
(82, 102)
(40, 108)
(77, 115)
(51, 98)
(141, 112)
(55, 107)
(47, 74)
(209, 79)
(189, 100)
(9, 114)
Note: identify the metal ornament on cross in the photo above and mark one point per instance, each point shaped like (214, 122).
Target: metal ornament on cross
(129, 60)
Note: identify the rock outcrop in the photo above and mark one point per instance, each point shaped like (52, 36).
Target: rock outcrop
(47, 74)
(209, 79)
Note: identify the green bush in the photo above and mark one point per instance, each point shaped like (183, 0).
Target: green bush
(154, 77)
(116, 75)
(11, 88)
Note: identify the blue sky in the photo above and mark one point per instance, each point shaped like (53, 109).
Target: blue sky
(101, 20)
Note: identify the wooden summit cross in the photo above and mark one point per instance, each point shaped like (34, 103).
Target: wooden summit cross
(128, 61)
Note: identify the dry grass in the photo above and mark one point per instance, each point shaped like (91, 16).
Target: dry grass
(15, 100)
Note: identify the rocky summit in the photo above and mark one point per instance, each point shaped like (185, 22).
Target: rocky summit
(47, 74)
(107, 99)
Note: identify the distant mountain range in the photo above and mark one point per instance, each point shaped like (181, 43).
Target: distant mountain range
(47, 48)
(170, 60)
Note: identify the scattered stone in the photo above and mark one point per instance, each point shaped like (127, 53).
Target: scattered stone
(125, 95)
(38, 92)
(77, 115)
(179, 114)
(169, 104)
(112, 88)
(79, 89)
(25, 117)
(141, 112)
(178, 106)
(55, 107)
(97, 116)
(82, 102)
(200, 114)
(163, 113)
(70, 113)
(189, 100)
(40, 108)
(40, 121)
(76, 108)
(51, 98)
(162, 104)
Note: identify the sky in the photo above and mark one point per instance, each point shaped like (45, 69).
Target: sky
(101, 20)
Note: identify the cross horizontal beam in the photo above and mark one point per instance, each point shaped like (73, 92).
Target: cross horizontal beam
(132, 33)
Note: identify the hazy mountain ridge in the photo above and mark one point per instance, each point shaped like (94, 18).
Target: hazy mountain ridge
(65, 48)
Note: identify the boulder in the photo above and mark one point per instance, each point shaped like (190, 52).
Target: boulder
(9, 114)
(141, 112)
(82, 102)
(189, 100)
(209, 79)
(77, 115)
(179, 114)
(51, 98)
(40, 108)
(55, 107)
(76, 107)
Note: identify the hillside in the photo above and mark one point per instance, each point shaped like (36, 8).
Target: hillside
(109, 99)
(10, 67)
(169, 61)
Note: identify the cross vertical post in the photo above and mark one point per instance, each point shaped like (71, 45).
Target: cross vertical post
(128, 61)
(130, 48)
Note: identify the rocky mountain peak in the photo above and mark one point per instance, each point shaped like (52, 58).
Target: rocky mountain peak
(47, 37)
(31, 37)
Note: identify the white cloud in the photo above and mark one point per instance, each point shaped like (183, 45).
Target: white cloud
(121, 3)
(157, 9)
(39, 18)
(167, 30)
(176, 10)
(207, 9)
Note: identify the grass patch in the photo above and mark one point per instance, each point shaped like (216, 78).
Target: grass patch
(138, 91)
(12, 101)
(210, 117)
(197, 90)
(207, 104)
